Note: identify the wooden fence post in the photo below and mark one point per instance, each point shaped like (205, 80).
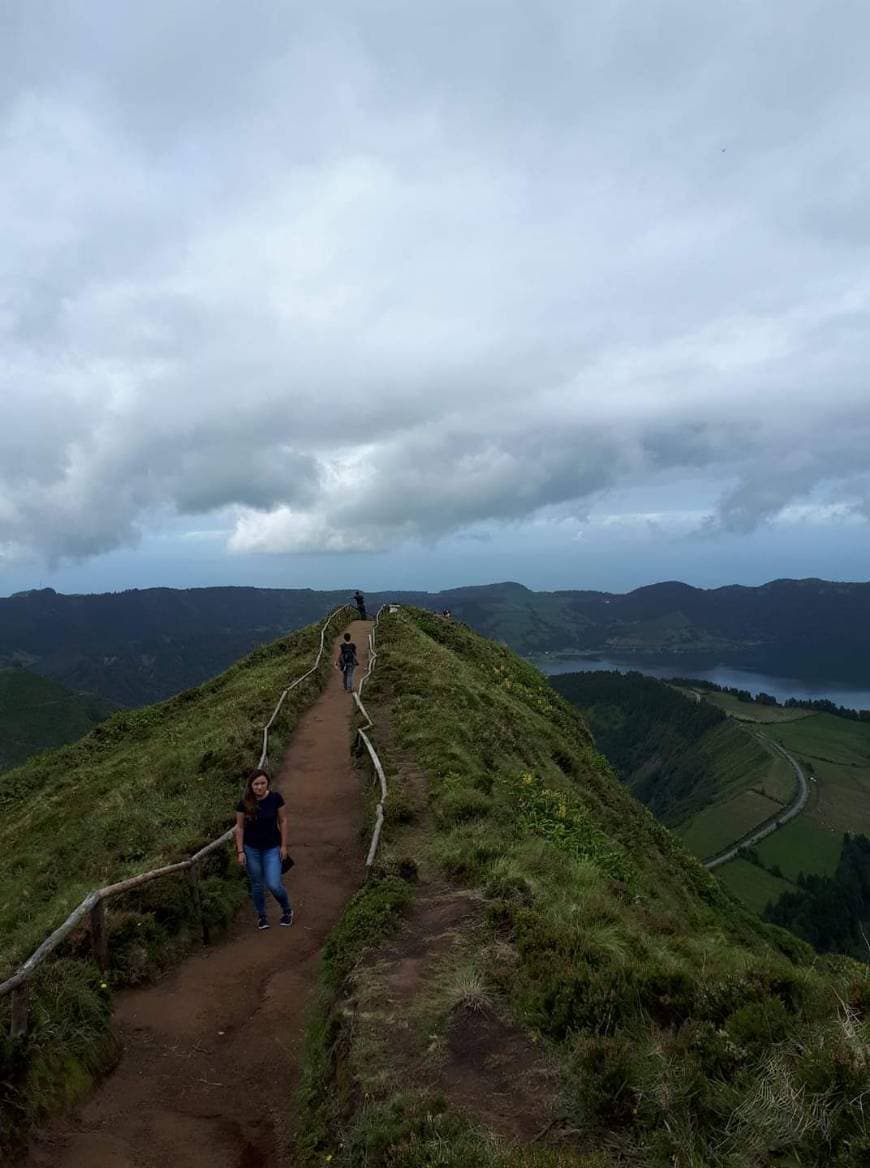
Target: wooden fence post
(100, 935)
(193, 881)
(20, 1009)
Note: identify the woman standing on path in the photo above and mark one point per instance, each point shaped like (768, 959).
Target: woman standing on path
(261, 844)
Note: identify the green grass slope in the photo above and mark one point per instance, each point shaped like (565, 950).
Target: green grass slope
(539, 974)
(143, 789)
(37, 714)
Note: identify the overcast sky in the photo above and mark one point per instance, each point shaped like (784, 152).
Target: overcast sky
(421, 294)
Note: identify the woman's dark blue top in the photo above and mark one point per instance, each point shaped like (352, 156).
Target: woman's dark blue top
(262, 830)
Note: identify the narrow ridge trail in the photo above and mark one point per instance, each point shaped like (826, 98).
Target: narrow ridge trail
(211, 1052)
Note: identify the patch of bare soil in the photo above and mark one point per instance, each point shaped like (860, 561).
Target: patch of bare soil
(432, 927)
(496, 1072)
(489, 1067)
(211, 1052)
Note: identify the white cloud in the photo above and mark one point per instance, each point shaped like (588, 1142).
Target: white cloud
(393, 272)
(283, 530)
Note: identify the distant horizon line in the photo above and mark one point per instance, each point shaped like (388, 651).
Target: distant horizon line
(48, 590)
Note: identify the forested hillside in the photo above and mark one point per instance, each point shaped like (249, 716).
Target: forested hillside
(143, 645)
(37, 713)
(651, 735)
(808, 628)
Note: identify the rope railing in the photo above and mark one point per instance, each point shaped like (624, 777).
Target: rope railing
(95, 902)
(373, 754)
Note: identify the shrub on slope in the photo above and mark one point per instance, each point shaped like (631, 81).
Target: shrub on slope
(684, 1031)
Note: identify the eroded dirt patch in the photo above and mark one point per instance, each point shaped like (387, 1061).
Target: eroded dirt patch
(496, 1071)
(432, 1022)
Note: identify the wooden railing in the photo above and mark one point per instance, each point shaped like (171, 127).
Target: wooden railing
(94, 904)
(373, 754)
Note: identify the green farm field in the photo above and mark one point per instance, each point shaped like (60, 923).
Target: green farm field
(827, 738)
(835, 754)
(801, 846)
(751, 884)
(755, 711)
(713, 829)
(751, 782)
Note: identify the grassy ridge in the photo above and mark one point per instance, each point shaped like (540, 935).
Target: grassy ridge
(147, 787)
(37, 713)
(681, 1030)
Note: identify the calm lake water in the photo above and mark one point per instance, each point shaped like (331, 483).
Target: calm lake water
(725, 675)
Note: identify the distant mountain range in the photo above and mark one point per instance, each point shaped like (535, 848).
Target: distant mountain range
(143, 645)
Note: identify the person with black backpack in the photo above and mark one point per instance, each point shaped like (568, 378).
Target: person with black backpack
(347, 661)
(360, 602)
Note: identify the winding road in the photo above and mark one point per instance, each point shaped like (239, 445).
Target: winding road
(782, 817)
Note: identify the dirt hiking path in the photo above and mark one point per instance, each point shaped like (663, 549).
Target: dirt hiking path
(211, 1052)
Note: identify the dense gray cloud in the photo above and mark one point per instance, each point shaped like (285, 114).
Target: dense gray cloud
(354, 274)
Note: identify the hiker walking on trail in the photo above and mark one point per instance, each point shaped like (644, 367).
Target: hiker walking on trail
(347, 661)
(360, 602)
(261, 844)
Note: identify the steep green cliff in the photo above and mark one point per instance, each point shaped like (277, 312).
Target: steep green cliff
(539, 974)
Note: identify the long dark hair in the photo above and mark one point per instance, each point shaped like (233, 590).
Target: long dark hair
(249, 798)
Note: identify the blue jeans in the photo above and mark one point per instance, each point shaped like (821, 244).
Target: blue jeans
(348, 677)
(264, 871)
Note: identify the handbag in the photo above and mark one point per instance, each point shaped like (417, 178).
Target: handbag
(286, 864)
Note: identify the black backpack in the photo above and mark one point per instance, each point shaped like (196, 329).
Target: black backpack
(348, 653)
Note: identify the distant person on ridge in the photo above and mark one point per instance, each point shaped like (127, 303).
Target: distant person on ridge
(347, 661)
(261, 844)
(360, 602)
